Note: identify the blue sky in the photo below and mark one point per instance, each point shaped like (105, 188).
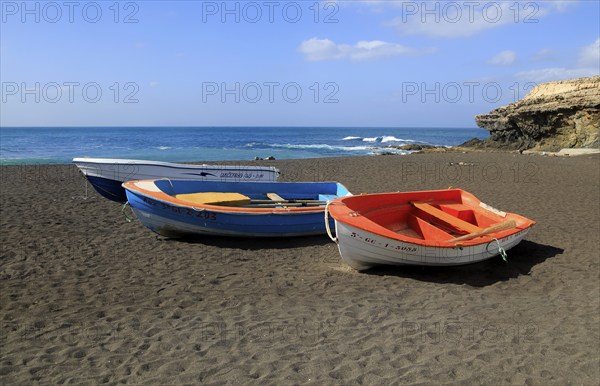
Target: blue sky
(280, 63)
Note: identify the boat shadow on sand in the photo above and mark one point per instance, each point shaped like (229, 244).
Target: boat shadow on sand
(521, 259)
(253, 244)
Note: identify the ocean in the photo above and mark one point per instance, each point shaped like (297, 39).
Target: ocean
(54, 145)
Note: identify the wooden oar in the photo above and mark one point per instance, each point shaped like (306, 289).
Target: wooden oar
(288, 202)
(496, 228)
(277, 204)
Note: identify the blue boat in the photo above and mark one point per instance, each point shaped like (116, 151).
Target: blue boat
(107, 175)
(178, 208)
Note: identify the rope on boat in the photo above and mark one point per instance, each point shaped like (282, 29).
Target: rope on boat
(334, 239)
(85, 181)
(501, 250)
(127, 218)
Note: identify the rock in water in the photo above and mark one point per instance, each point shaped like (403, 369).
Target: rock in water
(553, 116)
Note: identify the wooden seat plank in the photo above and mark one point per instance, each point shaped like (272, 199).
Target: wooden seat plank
(215, 198)
(445, 217)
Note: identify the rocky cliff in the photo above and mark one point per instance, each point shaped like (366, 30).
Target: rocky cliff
(553, 116)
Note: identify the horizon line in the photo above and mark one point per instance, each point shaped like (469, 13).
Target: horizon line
(229, 127)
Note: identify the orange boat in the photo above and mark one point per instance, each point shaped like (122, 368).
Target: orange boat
(437, 227)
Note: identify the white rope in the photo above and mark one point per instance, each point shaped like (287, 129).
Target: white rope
(334, 239)
(85, 181)
(501, 250)
(127, 218)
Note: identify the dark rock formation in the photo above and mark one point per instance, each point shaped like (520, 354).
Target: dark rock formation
(414, 147)
(553, 116)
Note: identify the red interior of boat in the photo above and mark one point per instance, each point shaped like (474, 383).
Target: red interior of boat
(431, 221)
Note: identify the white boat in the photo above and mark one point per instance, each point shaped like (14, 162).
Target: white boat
(107, 175)
(436, 227)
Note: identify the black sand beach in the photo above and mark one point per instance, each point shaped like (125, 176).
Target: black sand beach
(88, 298)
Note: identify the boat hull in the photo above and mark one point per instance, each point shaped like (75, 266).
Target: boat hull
(174, 220)
(108, 188)
(107, 175)
(362, 250)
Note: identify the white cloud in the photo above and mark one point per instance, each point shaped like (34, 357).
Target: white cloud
(316, 49)
(555, 73)
(588, 65)
(504, 58)
(562, 5)
(154, 83)
(450, 20)
(544, 55)
(590, 55)
(464, 19)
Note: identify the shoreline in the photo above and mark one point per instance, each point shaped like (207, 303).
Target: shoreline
(88, 298)
(434, 149)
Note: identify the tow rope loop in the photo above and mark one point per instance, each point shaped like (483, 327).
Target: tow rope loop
(501, 250)
(334, 239)
(127, 218)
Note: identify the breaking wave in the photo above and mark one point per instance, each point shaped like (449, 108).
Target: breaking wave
(319, 146)
(379, 139)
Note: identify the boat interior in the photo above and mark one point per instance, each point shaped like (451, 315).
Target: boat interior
(255, 200)
(439, 221)
(251, 195)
